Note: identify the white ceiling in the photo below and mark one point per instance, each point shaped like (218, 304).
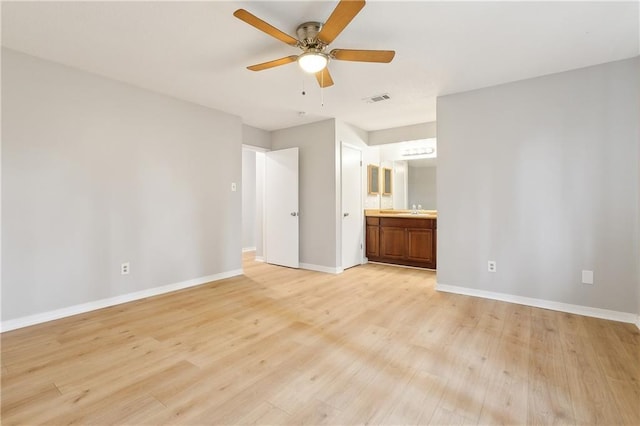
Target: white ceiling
(198, 51)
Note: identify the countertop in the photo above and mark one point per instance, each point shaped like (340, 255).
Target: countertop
(422, 214)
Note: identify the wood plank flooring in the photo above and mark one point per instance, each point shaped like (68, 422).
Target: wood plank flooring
(376, 345)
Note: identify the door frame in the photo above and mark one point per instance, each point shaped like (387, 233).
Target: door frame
(260, 217)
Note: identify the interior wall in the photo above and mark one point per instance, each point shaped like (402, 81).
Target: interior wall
(319, 200)
(422, 187)
(256, 137)
(541, 176)
(248, 199)
(96, 173)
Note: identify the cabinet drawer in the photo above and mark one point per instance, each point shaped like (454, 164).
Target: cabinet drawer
(403, 222)
(373, 221)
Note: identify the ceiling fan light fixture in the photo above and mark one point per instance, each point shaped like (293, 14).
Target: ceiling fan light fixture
(313, 62)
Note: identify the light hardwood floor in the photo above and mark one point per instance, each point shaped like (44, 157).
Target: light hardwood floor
(373, 345)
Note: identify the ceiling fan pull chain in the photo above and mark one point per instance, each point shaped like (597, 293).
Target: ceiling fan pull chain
(322, 90)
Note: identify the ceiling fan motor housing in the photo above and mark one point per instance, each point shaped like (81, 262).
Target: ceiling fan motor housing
(308, 35)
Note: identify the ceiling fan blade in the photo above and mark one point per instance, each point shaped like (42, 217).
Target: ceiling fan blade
(324, 78)
(264, 27)
(344, 12)
(274, 63)
(363, 55)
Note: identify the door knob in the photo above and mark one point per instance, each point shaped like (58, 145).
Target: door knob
(345, 214)
(294, 213)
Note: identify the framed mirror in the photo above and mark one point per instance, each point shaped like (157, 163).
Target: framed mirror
(387, 184)
(373, 173)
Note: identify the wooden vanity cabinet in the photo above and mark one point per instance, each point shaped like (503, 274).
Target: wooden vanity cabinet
(404, 241)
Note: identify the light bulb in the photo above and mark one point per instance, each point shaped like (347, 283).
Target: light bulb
(312, 62)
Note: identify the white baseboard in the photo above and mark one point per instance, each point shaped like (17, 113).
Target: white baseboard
(544, 304)
(259, 259)
(246, 249)
(320, 268)
(111, 301)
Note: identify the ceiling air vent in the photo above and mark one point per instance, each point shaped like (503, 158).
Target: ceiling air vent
(377, 98)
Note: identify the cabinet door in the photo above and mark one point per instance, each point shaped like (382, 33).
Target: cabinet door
(420, 245)
(392, 242)
(373, 241)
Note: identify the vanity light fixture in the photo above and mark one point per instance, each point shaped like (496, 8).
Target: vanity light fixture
(313, 61)
(418, 151)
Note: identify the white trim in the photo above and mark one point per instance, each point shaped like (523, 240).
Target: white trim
(350, 145)
(111, 301)
(420, 268)
(259, 259)
(638, 322)
(540, 303)
(320, 268)
(246, 249)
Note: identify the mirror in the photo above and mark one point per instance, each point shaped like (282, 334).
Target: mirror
(421, 184)
(408, 172)
(373, 179)
(387, 188)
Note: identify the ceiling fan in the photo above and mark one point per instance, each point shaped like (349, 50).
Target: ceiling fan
(314, 38)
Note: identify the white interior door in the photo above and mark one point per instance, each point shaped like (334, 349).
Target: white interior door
(351, 207)
(281, 207)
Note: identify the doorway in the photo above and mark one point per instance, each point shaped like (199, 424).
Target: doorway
(259, 167)
(351, 189)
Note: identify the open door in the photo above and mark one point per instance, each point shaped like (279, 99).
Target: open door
(351, 207)
(281, 208)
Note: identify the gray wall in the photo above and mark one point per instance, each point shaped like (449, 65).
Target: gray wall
(318, 196)
(422, 187)
(96, 173)
(541, 175)
(256, 137)
(248, 199)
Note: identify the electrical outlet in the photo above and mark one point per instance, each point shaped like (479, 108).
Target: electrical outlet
(587, 277)
(491, 266)
(125, 268)
(233, 186)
